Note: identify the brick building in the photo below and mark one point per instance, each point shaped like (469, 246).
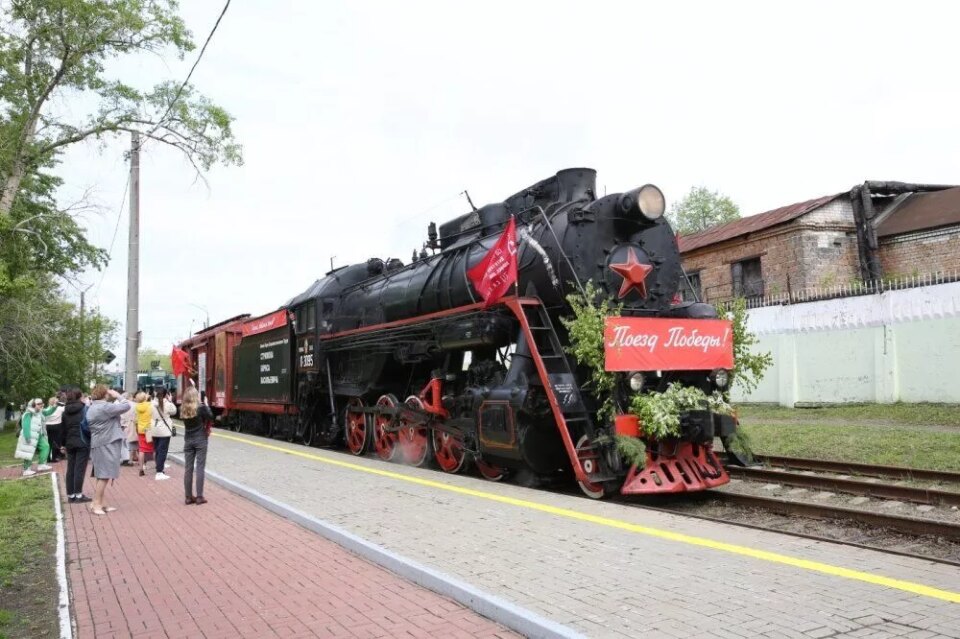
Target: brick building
(877, 230)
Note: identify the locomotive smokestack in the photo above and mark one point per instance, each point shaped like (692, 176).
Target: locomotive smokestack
(576, 184)
(647, 203)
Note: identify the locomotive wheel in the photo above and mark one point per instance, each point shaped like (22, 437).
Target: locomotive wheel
(448, 451)
(414, 441)
(590, 489)
(489, 471)
(385, 443)
(356, 423)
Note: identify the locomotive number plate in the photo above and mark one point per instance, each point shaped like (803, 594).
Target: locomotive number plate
(565, 388)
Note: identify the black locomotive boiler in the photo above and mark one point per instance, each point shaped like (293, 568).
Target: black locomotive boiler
(404, 359)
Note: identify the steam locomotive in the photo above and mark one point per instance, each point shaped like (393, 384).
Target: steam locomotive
(405, 360)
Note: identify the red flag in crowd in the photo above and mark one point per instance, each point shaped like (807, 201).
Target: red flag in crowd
(180, 361)
(497, 271)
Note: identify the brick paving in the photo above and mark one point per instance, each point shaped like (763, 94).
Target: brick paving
(599, 580)
(227, 569)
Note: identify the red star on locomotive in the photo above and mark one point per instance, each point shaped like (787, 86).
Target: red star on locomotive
(406, 361)
(634, 274)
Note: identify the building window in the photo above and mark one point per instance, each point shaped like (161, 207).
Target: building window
(690, 287)
(747, 278)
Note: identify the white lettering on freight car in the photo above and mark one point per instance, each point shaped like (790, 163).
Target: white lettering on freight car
(270, 379)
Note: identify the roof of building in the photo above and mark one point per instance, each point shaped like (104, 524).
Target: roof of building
(922, 211)
(751, 224)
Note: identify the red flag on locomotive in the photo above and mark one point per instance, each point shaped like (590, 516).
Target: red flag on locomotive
(497, 271)
(179, 361)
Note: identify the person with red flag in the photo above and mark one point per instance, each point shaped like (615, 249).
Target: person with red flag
(493, 276)
(179, 361)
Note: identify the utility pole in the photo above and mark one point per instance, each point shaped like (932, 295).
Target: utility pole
(83, 343)
(133, 270)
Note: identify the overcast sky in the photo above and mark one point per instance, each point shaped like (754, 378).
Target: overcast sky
(362, 122)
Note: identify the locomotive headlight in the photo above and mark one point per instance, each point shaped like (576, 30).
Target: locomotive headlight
(636, 382)
(651, 202)
(721, 377)
(648, 201)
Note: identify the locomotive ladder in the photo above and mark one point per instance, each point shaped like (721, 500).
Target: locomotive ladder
(548, 356)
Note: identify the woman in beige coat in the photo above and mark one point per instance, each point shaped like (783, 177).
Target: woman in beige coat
(128, 422)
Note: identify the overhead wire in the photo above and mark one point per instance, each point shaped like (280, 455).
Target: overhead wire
(186, 80)
(113, 240)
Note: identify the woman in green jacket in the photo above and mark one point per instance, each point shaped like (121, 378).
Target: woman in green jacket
(33, 437)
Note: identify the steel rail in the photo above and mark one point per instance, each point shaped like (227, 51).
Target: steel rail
(792, 533)
(910, 525)
(850, 486)
(853, 468)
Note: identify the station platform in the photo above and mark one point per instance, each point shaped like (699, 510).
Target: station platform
(605, 569)
(157, 568)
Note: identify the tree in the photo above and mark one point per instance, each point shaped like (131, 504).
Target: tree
(40, 347)
(147, 356)
(701, 209)
(52, 49)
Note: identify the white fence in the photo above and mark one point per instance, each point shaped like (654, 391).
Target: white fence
(899, 345)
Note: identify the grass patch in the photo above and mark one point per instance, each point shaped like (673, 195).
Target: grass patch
(8, 444)
(28, 584)
(911, 414)
(866, 443)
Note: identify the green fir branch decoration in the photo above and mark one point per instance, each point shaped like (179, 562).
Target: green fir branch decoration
(739, 443)
(632, 450)
(748, 366)
(659, 413)
(590, 311)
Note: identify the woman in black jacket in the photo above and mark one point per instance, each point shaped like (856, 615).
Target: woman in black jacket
(77, 444)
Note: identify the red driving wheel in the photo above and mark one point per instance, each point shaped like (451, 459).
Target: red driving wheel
(384, 442)
(448, 451)
(356, 423)
(414, 440)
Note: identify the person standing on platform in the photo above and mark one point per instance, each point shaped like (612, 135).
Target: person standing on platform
(163, 410)
(197, 419)
(33, 439)
(128, 421)
(144, 417)
(106, 438)
(55, 428)
(77, 441)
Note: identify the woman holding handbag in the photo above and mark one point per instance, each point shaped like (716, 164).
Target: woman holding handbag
(163, 429)
(144, 412)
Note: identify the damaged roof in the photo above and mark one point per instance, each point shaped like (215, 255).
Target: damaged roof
(921, 212)
(751, 224)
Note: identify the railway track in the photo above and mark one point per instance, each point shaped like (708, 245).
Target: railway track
(898, 523)
(849, 486)
(867, 470)
(787, 474)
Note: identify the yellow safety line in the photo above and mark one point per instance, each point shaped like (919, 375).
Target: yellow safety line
(746, 551)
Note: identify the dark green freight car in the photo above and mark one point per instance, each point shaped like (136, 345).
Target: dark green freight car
(262, 367)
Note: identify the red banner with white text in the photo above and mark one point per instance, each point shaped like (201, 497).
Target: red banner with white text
(663, 344)
(265, 323)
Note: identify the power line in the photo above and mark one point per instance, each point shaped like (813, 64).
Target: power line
(116, 228)
(192, 69)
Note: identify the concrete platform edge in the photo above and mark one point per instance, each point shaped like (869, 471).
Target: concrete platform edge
(518, 619)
